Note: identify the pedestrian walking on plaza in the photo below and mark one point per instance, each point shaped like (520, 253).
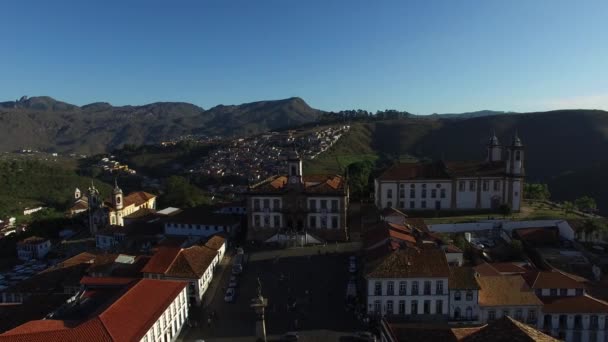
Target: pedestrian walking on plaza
(209, 322)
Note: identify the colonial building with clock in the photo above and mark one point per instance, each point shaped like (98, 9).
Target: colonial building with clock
(298, 209)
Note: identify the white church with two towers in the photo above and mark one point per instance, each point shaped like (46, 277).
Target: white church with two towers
(456, 185)
(113, 211)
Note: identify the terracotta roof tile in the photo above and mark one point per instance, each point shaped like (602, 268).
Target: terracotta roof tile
(463, 278)
(486, 269)
(161, 260)
(538, 236)
(505, 290)
(574, 304)
(135, 198)
(551, 280)
(215, 242)
(91, 331)
(191, 262)
(502, 330)
(508, 268)
(508, 330)
(127, 319)
(132, 315)
(442, 170)
(411, 262)
(312, 184)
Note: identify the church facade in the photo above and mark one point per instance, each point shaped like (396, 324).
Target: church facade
(298, 208)
(442, 185)
(112, 212)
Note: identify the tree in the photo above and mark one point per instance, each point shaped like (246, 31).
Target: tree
(358, 177)
(460, 242)
(593, 227)
(568, 207)
(180, 193)
(536, 191)
(585, 203)
(505, 209)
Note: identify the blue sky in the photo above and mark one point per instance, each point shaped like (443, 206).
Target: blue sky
(421, 56)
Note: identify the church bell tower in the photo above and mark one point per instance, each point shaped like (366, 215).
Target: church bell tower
(117, 196)
(494, 149)
(294, 164)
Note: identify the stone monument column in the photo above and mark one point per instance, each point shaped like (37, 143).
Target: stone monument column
(258, 304)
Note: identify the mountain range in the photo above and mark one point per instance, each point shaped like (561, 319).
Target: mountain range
(44, 123)
(564, 148)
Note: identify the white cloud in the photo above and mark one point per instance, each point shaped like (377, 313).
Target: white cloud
(595, 101)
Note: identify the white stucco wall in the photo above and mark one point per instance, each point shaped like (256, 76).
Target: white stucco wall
(564, 228)
(384, 298)
(463, 304)
(176, 315)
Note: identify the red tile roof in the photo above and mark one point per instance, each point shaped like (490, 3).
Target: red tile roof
(135, 198)
(37, 326)
(538, 236)
(312, 184)
(486, 269)
(462, 278)
(508, 268)
(442, 170)
(574, 304)
(91, 331)
(161, 260)
(507, 329)
(133, 314)
(551, 280)
(396, 235)
(127, 319)
(215, 242)
(410, 263)
(505, 290)
(191, 262)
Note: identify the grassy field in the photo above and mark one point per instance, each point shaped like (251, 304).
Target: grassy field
(354, 146)
(530, 211)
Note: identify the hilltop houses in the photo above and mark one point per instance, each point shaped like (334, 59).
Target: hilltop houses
(449, 185)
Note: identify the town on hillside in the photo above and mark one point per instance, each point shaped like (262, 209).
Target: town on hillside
(444, 249)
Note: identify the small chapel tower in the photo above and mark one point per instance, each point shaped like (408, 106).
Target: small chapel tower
(494, 149)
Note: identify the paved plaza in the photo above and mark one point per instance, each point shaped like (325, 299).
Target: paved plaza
(305, 288)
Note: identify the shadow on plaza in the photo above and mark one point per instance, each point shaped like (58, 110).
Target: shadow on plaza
(304, 293)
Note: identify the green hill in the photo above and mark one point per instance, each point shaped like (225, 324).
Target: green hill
(46, 124)
(27, 183)
(564, 148)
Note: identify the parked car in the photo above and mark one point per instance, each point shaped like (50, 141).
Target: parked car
(352, 259)
(352, 268)
(233, 282)
(290, 336)
(230, 294)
